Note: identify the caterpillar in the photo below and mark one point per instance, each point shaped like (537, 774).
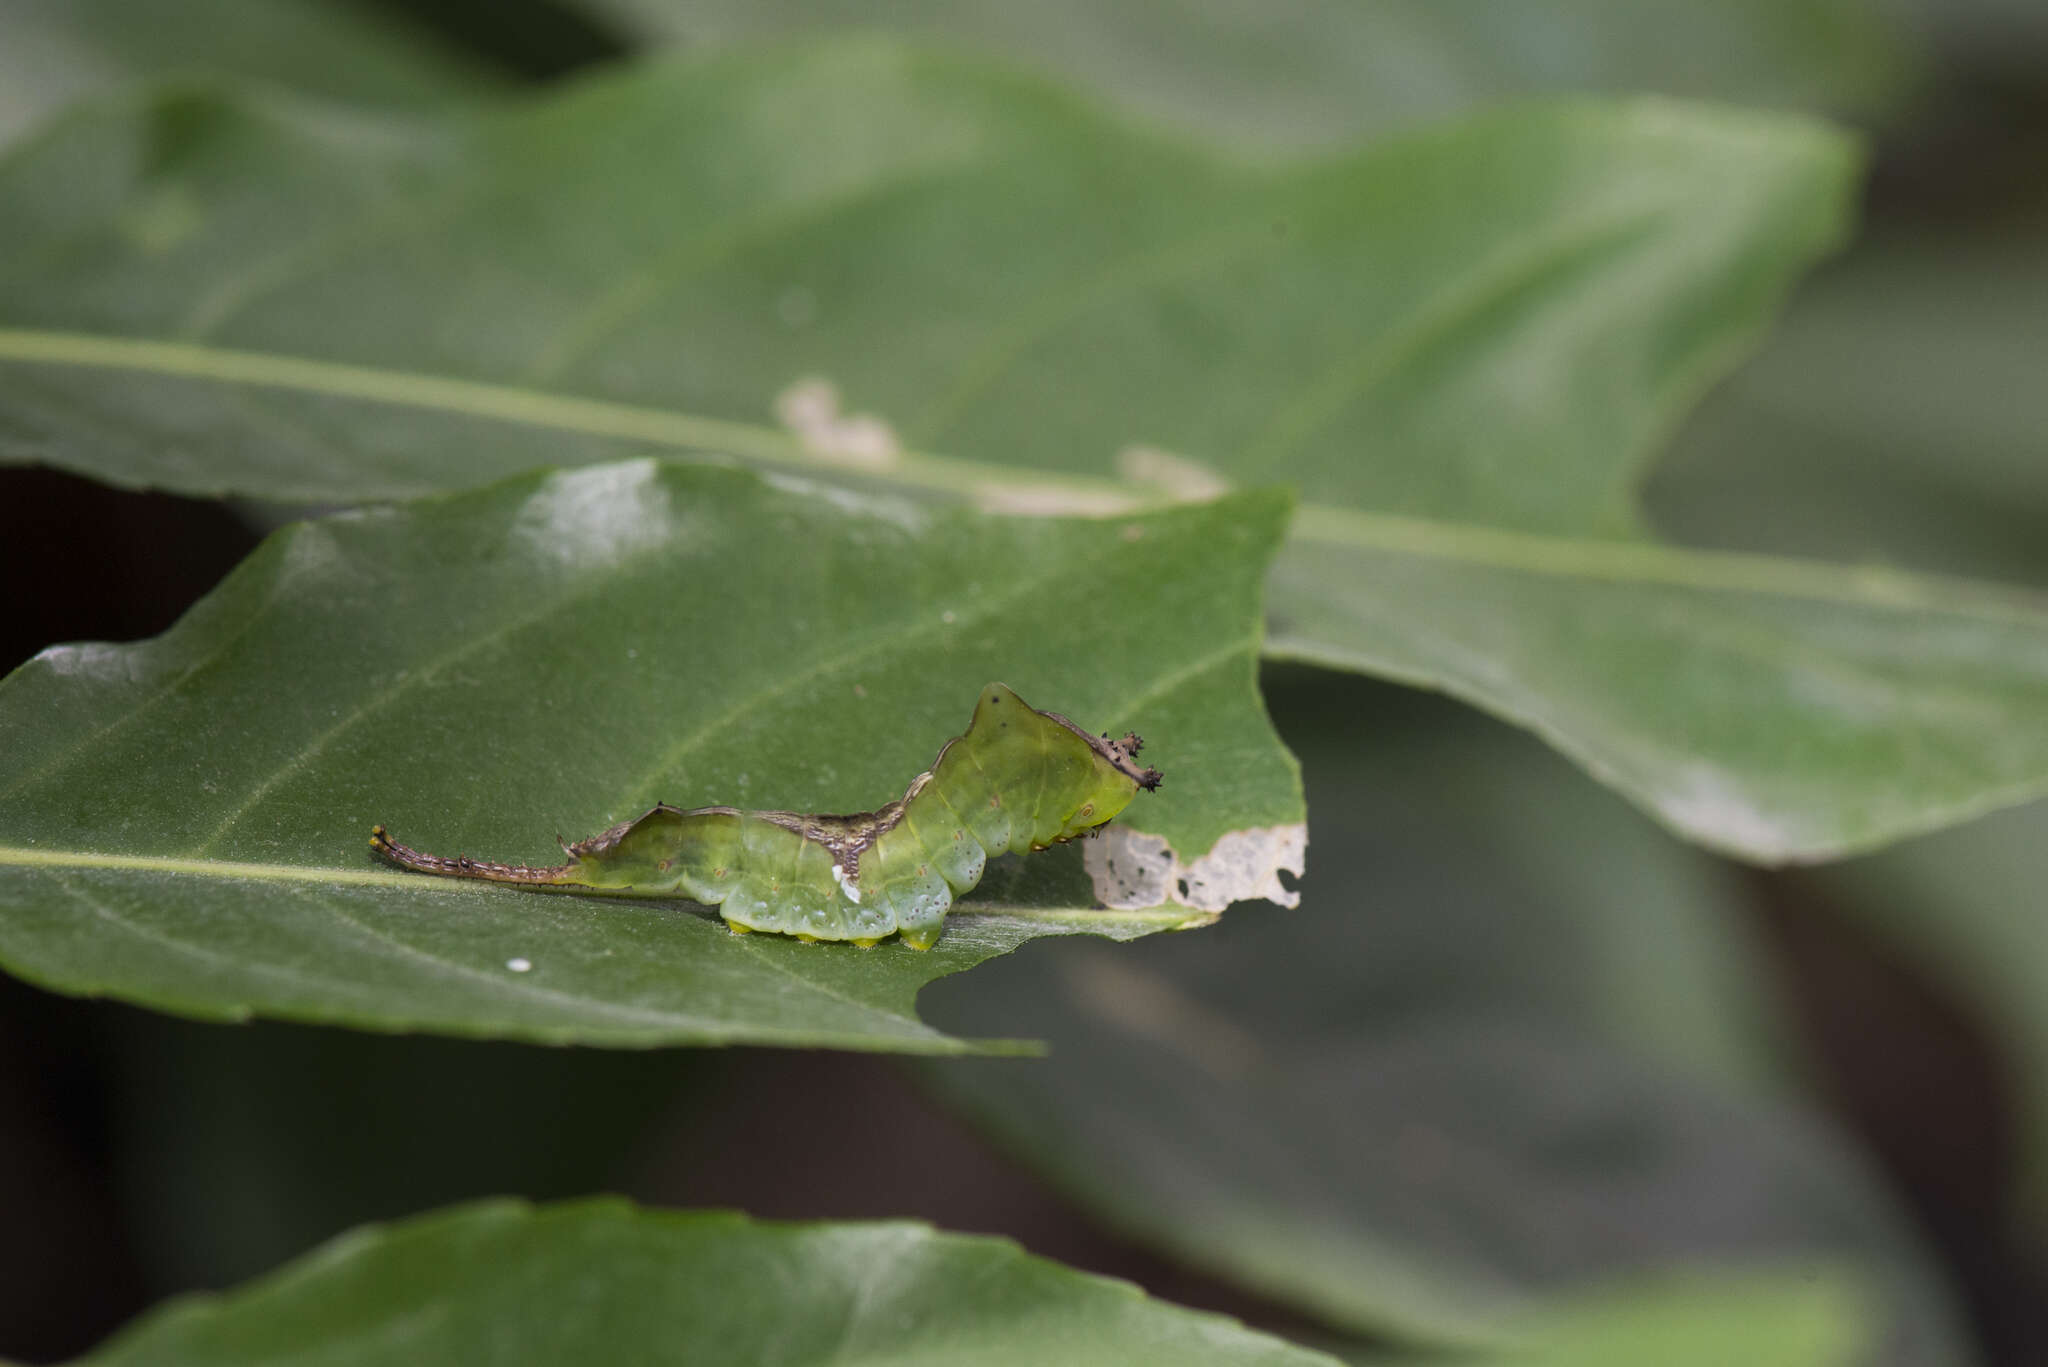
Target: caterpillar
(1016, 779)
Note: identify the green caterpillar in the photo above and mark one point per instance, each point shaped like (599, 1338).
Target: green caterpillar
(1019, 779)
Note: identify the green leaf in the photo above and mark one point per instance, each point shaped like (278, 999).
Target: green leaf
(1496, 878)
(183, 822)
(1301, 73)
(54, 51)
(1816, 447)
(1429, 1180)
(1508, 1048)
(1696, 1319)
(1488, 322)
(1462, 344)
(599, 1281)
(1893, 416)
(1775, 710)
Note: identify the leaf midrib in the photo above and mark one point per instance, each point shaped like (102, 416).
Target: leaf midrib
(623, 1014)
(1475, 544)
(16, 856)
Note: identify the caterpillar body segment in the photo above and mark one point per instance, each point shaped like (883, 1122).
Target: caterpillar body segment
(1017, 779)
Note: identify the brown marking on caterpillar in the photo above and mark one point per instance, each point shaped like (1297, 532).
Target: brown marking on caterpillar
(461, 865)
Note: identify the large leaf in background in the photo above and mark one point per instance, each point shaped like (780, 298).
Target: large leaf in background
(1489, 322)
(1427, 1181)
(1772, 709)
(1756, 1319)
(54, 51)
(1506, 1048)
(1494, 877)
(598, 1281)
(1478, 329)
(182, 822)
(1895, 415)
(1301, 73)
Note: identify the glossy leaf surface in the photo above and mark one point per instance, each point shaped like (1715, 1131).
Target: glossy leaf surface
(598, 1281)
(184, 822)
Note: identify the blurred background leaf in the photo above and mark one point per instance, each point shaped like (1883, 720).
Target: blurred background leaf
(1510, 1046)
(1760, 1319)
(1493, 322)
(56, 51)
(1293, 75)
(1895, 416)
(503, 1281)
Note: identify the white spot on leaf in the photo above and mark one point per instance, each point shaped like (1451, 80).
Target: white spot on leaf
(1181, 476)
(519, 965)
(1133, 869)
(1043, 500)
(598, 517)
(810, 409)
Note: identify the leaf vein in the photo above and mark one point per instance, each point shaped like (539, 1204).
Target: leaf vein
(1325, 524)
(872, 645)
